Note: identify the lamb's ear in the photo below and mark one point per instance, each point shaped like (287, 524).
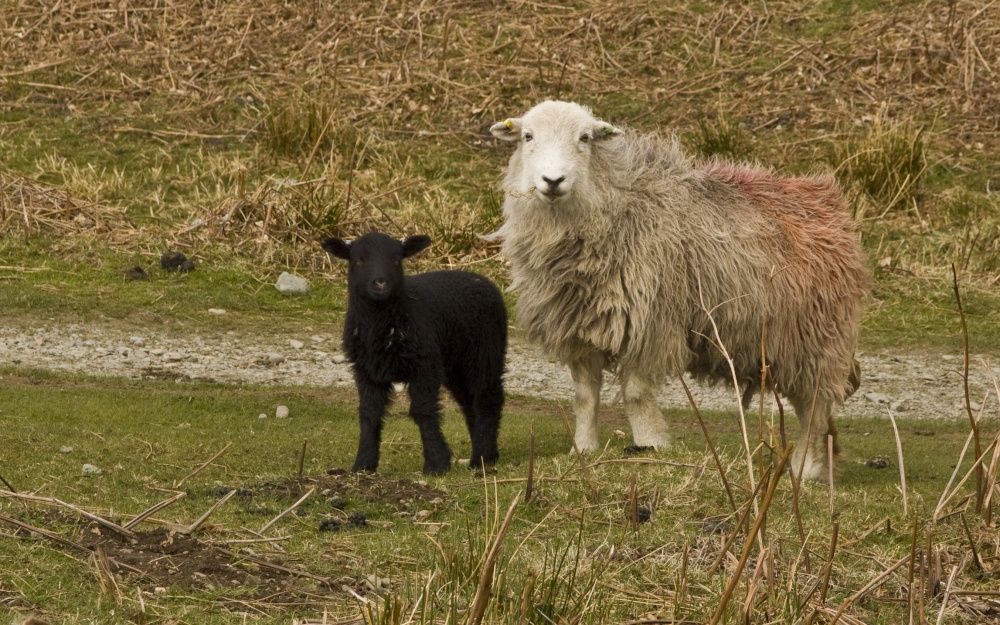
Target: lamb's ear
(337, 247)
(604, 130)
(414, 244)
(507, 130)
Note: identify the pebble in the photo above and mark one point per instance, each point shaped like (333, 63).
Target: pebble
(296, 344)
(290, 284)
(422, 515)
(217, 311)
(281, 412)
(137, 340)
(338, 358)
(275, 358)
(65, 449)
(89, 469)
(262, 416)
(877, 398)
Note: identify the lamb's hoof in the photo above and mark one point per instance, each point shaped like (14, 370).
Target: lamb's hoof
(635, 450)
(436, 470)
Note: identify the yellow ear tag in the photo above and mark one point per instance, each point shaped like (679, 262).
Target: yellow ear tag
(508, 124)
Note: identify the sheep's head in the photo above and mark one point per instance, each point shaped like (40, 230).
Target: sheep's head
(555, 144)
(376, 262)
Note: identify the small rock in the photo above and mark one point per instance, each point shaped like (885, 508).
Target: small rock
(65, 449)
(422, 515)
(296, 344)
(262, 416)
(159, 590)
(137, 340)
(338, 358)
(275, 359)
(173, 357)
(173, 261)
(135, 273)
(217, 311)
(878, 462)
(89, 469)
(877, 398)
(947, 357)
(290, 284)
(281, 412)
(898, 406)
(377, 584)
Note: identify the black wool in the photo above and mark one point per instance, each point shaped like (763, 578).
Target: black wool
(444, 328)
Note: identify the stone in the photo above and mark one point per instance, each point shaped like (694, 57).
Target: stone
(877, 398)
(281, 412)
(339, 358)
(89, 469)
(65, 449)
(290, 284)
(217, 311)
(296, 344)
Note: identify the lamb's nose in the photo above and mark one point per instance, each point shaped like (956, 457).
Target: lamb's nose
(380, 285)
(553, 183)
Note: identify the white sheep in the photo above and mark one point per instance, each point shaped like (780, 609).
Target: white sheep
(623, 254)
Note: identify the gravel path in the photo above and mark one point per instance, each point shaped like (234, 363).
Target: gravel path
(911, 384)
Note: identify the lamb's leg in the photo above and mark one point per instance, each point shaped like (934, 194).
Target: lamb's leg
(649, 429)
(587, 372)
(488, 406)
(374, 400)
(425, 409)
(815, 424)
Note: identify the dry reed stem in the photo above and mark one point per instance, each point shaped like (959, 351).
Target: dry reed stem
(762, 512)
(584, 468)
(947, 591)
(118, 529)
(285, 511)
(142, 516)
(204, 465)
(481, 599)
(973, 421)
(899, 456)
(867, 589)
(201, 520)
(704, 431)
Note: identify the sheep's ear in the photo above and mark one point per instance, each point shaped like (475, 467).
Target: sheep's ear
(337, 247)
(414, 244)
(604, 130)
(507, 130)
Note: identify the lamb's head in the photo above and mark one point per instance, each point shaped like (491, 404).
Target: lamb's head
(376, 262)
(555, 145)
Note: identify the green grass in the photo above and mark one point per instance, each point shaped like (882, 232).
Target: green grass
(145, 436)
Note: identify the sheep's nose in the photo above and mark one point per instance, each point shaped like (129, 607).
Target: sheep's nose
(381, 284)
(553, 182)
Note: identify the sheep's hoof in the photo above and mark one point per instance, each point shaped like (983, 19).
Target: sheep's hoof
(436, 469)
(635, 450)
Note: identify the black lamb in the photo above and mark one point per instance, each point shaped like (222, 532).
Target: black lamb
(442, 327)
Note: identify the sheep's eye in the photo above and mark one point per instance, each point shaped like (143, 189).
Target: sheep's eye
(584, 138)
(358, 262)
(528, 136)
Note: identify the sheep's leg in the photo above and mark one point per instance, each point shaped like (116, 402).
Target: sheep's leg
(374, 400)
(425, 409)
(587, 376)
(815, 424)
(488, 407)
(649, 429)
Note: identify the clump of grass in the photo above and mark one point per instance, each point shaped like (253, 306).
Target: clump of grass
(722, 136)
(294, 128)
(885, 167)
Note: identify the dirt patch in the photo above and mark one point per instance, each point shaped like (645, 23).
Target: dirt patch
(344, 490)
(170, 559)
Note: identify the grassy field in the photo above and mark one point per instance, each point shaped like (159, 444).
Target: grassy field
(570, 554)
(240, 133)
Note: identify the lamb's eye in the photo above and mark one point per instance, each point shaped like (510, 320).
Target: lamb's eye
(584, 138)
(358, 262)
(528, 136)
